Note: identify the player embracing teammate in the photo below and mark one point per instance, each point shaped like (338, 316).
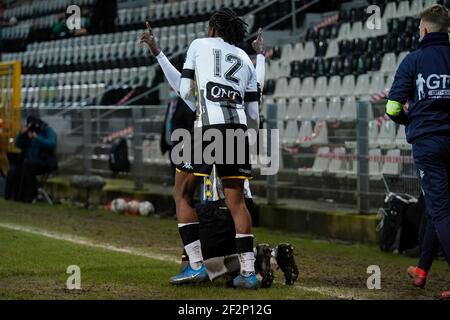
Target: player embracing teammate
(220, 83)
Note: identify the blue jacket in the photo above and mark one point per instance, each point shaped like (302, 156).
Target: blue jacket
(40, 148)
(423, 80)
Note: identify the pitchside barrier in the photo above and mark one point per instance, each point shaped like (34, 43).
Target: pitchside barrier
(332, 159)
(85, 136)
(10, 73)
(339, 154)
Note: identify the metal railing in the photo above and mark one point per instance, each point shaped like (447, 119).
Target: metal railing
(345, 162)
(349, 161)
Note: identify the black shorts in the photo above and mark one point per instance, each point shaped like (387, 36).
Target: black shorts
(234, 163)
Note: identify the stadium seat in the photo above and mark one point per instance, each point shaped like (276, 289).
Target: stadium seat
(115, 77)
(293, 109)
(403, 9)
(283, 69)
(377, 84)
(392, 165)
(358, 31)
(386, 137)
(281, 108)
(334, 86)
(321, 87)
(338, 164)
(151, 151)
(344, 31)
(389, 63)
(309, 51)
(389, 80)
(67, 95)
(286, 52)
(307, 87)
(306, 109)
(305, 134)
(400, 58)
(273, 69)
(320, 110)
(320, 133)
(291, 133)
(294, 88)
(333, 49)
(320, 165)
(99, 76)
(352, 165)
(107, 76)
(334, 109)
(429, 3)
(400, 139)
(348, 85)
(375, 164)
(373, 133)
(281, 89)
(297, 51)
(362, 85)
(390, 11)
(348, 113)
(125, 77)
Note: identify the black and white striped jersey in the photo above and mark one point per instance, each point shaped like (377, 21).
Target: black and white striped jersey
(223, 80)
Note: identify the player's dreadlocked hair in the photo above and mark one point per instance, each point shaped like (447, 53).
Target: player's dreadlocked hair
(229, 26)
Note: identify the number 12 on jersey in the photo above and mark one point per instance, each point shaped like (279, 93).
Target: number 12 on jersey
(230, 74)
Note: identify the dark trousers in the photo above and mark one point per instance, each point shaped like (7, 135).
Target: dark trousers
(432, 159)
(21, 182)
(172, 170)
(429, 245)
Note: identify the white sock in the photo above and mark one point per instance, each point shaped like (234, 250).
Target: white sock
(247, 261)
(246, 255)
(194, 252)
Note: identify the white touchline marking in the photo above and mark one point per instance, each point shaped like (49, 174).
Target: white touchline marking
(87, 242)
(327, 291)
(331, 292)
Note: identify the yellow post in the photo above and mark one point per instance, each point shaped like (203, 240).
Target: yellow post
(10, 87)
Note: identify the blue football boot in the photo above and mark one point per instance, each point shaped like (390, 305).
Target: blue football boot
(189, 276)
(246, 282)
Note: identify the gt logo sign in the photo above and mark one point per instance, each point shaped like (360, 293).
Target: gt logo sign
(217, 92)
(437, 84)
(435, 81)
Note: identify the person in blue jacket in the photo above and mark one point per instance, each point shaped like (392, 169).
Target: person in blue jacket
(422, 82)
(37, 142)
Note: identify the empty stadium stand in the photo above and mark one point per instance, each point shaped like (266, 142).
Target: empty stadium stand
(76, 71)
(315, 76)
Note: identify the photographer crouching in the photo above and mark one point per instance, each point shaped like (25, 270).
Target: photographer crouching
(38, 144)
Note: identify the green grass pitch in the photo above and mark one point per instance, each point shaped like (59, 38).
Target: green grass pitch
(124, 257)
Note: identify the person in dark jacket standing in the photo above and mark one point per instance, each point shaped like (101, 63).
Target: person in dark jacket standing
(38, 143)
(423, 82)
(178, 116)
